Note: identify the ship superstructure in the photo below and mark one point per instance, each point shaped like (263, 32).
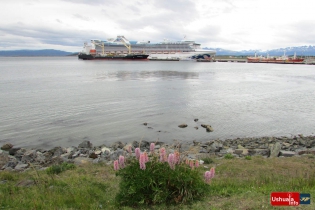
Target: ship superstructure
(183, 50)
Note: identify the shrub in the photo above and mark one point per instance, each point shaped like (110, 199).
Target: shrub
(228, 156)
(57, 169)
(248, 157)
(207, 160)
(161, 180)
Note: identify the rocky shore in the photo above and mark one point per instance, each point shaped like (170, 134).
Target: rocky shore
(20, 159)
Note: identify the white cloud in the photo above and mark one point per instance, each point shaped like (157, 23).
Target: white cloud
(235, 25)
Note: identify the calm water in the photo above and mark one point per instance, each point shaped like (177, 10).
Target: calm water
(62, 101)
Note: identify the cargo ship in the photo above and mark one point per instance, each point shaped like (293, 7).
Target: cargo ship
(282, 59)
(183, 50)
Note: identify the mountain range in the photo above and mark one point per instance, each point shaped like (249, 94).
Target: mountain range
(289, 51)
(300, 51)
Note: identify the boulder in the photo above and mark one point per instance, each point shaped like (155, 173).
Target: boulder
(275, 150)
(287, 153)
(183, 125)
(6, 146)
(21, 166)
(85, 144)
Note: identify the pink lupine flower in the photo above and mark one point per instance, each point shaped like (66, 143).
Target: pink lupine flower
(146, 159)
(121, 161)
(207, 176)
(162, 154)
(137, 151)
(142, 161)
(152, 147)
(129, 149)
(212, 172)
(171, 161)
(191, 164)
(187, 162)
(176, 157)
(116, 165)
(197, 163)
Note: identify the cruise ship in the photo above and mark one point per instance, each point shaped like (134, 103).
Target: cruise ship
(181, 50)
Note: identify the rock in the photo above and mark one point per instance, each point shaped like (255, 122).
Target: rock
(287, 153)
(85, 144)
(6, 146)
(20, 166)
(82, 160)
(98, 152)
(57, 151)
(29, 156)
(240, 147)
(93, 155)
(105, 149)
(13, 150)
(10, 164)
(117, 145)
(183, 125)
(196, 127)
(275, 150)
(302, 152)
(196, 120)
(71, 149)
(145, 124)
(126, 147)
(209, 128)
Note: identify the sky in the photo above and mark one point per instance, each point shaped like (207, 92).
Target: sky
(228, 24)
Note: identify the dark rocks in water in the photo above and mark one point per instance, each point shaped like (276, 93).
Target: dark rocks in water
(196, 127)
(207, 127)
(85, 144)
(196, 120)
(145, 124)
(150, 127)
(6, 147)
(183, 125)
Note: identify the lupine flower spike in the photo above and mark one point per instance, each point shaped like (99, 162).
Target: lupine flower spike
(116, 165)
(176, 157)
(146, 157)
(162, 155)
(191, 164)
(187, 162)
(142, 161)
(197, 163)
(152, 147)
(209, 175)
(171, 161)
(137, 151)
(121, 161)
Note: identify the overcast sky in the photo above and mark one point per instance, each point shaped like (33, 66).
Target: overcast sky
(229, 24)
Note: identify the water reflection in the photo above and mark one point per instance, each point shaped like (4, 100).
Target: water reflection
(147, 75)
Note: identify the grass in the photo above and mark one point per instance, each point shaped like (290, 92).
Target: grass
(238, 184)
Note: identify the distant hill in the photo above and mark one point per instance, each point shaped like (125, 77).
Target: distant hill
(300, 51)
(36, 53)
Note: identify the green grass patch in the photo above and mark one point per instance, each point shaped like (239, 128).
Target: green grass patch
(238, 184)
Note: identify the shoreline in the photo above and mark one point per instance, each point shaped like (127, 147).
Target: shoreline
(20, 159)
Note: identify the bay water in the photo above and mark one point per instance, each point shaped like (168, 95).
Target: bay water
(61, 101)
